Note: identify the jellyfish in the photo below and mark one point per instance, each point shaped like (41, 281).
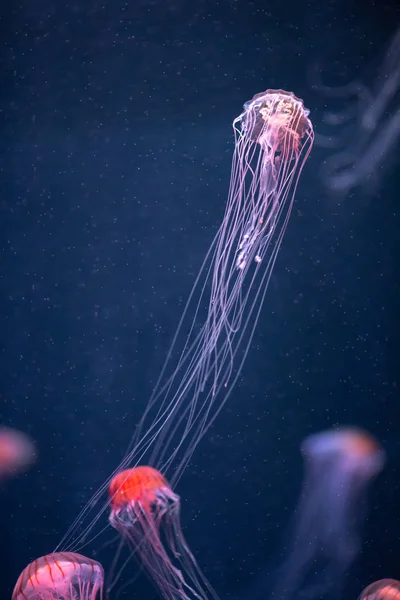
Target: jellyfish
(17, 452)
(366, 132)
(273, 137)
(60, 576)
(325, 532)
(146, 513)
(384, 589)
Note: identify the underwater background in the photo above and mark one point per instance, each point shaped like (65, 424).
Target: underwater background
(115, 149)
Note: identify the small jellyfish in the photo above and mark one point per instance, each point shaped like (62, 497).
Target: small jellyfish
(325, 532)
(146, 512)
(384, 589)
(60, 576)
(17, 452)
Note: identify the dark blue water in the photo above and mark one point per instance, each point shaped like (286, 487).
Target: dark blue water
(115, 146)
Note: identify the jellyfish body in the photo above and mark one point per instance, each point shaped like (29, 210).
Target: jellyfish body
(146, 513)
(384, 589)
(273, 138)
(61, 575)
(325, 532)
(17, 452)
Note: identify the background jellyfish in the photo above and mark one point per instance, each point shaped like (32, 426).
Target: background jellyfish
(273, 138)
(146, 512)
(63, 576)
(17, 452)
(368, 128)
(384, 589)
(325, 532)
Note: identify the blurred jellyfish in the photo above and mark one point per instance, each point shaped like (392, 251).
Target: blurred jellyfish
(146, 512)
(17, 452)
(384, 589)
(273, 138)
(60, 576)
(325, 532)
(367, 130)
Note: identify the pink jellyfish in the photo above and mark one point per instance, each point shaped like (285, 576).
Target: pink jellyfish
(146, 512)
(384, 589)
(17, 451)
(60, 576)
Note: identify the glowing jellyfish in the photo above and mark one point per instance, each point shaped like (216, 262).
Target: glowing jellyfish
(273, 138)
(146, 512)
(384, 589)
(17, 452)
(60, 576)
(325, 533)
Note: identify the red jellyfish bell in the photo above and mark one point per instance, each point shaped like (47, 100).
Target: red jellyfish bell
(384, 589)
(60, 576)
(146, 512)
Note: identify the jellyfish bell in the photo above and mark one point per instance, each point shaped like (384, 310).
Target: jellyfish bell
(274, 118)
(146, 513)
(384, 589)
(60, 576)
(17, 451)
(139, 493)
(353, 450)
